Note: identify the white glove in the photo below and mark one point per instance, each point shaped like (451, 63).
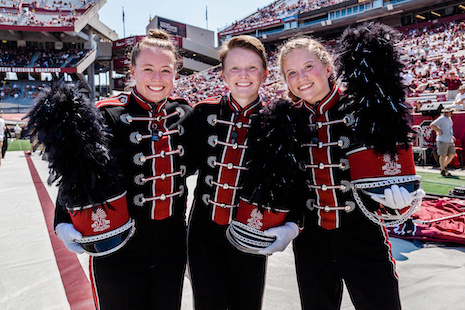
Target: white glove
(67, 233)
(397, 198)
(284, 235)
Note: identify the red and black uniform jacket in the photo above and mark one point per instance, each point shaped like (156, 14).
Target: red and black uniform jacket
(329, 137)
(148, 142)
(221, 132)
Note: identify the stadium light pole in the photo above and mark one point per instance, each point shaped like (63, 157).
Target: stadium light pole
(124, 27)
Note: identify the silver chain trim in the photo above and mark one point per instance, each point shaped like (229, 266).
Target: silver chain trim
(392, 219)
(108, 234)
(375, 183)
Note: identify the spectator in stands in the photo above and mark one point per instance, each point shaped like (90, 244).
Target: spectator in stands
(459, 102)
(417, 106)
(453, 83)
(445, 140)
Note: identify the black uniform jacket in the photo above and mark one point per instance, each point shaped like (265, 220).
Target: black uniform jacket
(147, 141)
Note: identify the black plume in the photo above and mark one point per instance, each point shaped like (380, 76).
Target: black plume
(273, 176)
(369, 64)
(75, 141)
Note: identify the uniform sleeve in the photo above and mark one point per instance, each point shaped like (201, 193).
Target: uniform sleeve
(189, 141)
(61, 214)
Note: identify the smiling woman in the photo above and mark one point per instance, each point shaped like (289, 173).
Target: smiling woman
(244, 71)
(147, 141)
(222, 277)
(153, 71)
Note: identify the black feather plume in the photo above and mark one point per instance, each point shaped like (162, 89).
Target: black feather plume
(369, 64)
(273, 176)
(75, 141)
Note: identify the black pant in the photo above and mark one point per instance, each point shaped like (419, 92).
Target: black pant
(222, 277)
(147, 273)
(359, 254)
(4, 147)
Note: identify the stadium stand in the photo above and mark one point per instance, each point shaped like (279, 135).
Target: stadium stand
(51, 39)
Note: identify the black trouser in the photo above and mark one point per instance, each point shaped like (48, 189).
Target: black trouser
(357, 253)
(147, 273)
(4, 147)
(222, 277)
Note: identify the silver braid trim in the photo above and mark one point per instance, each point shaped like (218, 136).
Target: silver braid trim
(387, 220)
(383, 182)
(247, 239)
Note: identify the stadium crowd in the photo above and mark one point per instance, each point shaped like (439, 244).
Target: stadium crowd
(43, 13)
(20, 90)
(431, 54)
(435, 59)
(278, 10)
(22, 57)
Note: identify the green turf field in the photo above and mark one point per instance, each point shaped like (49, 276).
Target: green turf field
(435, 183)
(19, 145)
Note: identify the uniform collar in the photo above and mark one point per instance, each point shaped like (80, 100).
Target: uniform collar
(250, 109)
(146, 104)
(325, 104)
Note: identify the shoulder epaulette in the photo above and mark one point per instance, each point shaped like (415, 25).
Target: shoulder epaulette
(120, 100)
(179, 99)
(210, 100)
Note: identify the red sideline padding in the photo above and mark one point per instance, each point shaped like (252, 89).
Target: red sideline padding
(439, 220)
(77, 286)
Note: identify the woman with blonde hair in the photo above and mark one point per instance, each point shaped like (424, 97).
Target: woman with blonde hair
(341, 243)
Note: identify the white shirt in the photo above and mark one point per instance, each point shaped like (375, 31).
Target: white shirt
(445, 124)
(459, 98)
(2, 129)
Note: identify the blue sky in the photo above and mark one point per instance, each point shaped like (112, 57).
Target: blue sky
(192, 12)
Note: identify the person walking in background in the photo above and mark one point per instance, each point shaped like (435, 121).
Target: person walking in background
(2, 136)
(7, 136)
(17, 131)
(445, 140)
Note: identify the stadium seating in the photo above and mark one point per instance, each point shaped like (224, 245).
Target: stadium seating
(279, 10)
